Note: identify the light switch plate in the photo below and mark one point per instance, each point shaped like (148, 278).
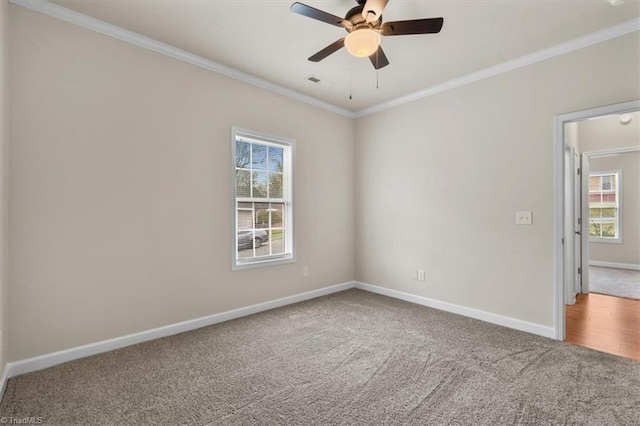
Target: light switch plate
(524, 218)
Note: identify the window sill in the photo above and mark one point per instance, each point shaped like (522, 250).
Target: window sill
(606, 240)
(280, 260)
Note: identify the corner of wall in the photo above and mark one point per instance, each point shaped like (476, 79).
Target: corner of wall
(354, 209)
(4, 141)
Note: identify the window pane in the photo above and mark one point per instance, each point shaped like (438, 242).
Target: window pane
(245, 253)
(259, 184)
(243, 154)
(245, 244)
(262, 215)
(594, 183)
(259, 152)
(595, 198)
(608, 212)
(243, 183)
(275, 185)
(594, 229)
(275, 159)
(608, 230)
(245, 219)
(594, 212)
(277, 241)
(277, 216)
(606, 183)
(261, 242)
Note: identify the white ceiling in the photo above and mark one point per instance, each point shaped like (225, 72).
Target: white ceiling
(265, 39)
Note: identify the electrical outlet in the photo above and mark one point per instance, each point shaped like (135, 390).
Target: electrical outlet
(524, 218)
(305, 272)
(420, 275)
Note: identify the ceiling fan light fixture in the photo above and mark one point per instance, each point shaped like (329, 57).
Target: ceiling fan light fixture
(362, 42)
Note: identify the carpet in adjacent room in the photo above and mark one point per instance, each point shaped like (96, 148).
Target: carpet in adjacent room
(614, 282)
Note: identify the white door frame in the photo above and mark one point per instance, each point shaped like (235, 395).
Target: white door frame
(558, 200)
(572, 210)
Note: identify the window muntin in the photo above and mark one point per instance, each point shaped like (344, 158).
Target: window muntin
(604, 206)
(263, 205)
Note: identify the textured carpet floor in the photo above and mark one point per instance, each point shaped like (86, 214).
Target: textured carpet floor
(614, 282)
(349, 358)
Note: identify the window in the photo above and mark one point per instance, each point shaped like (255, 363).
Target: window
(604, 206)
(263, 205)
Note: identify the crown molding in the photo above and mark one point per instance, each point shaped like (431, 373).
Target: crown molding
(523, 61)
(68, 15)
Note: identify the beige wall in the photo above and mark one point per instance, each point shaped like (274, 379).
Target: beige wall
(439, 181)
(120, 174)
(4, 138)
(629, 250)
(607, 133)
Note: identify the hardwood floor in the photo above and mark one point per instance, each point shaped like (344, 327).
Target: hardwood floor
(605, 323)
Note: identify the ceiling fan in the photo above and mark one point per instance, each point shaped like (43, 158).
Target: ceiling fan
(364, 25)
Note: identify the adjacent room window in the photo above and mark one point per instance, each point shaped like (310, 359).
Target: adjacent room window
(604, 206)
(263, 205)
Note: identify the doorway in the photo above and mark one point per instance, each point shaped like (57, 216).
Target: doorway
(563, 252)
(583, 172)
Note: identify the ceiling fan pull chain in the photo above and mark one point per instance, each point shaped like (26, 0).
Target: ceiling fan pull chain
(377, 68)
(350, 82)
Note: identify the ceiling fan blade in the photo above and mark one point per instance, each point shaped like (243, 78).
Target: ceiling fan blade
(379, 59)
(319, 15)
(372, 10)
(416, 26)
(333, 47)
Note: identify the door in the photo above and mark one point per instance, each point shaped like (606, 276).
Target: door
(569, 228)
(572, 231)
(577, 224)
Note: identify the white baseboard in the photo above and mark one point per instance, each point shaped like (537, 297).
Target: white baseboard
(631, 266)
(29, 365)
(3, 383)
(529, 327)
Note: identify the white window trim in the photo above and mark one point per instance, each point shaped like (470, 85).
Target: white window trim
(289, 256)
(618, 239)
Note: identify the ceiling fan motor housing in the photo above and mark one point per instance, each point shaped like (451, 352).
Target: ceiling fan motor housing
(357, 20)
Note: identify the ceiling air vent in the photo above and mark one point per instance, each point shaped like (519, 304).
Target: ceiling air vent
(317, 80)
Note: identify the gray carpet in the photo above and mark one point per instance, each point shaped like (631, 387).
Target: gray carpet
(349, 358)
(614, 282)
